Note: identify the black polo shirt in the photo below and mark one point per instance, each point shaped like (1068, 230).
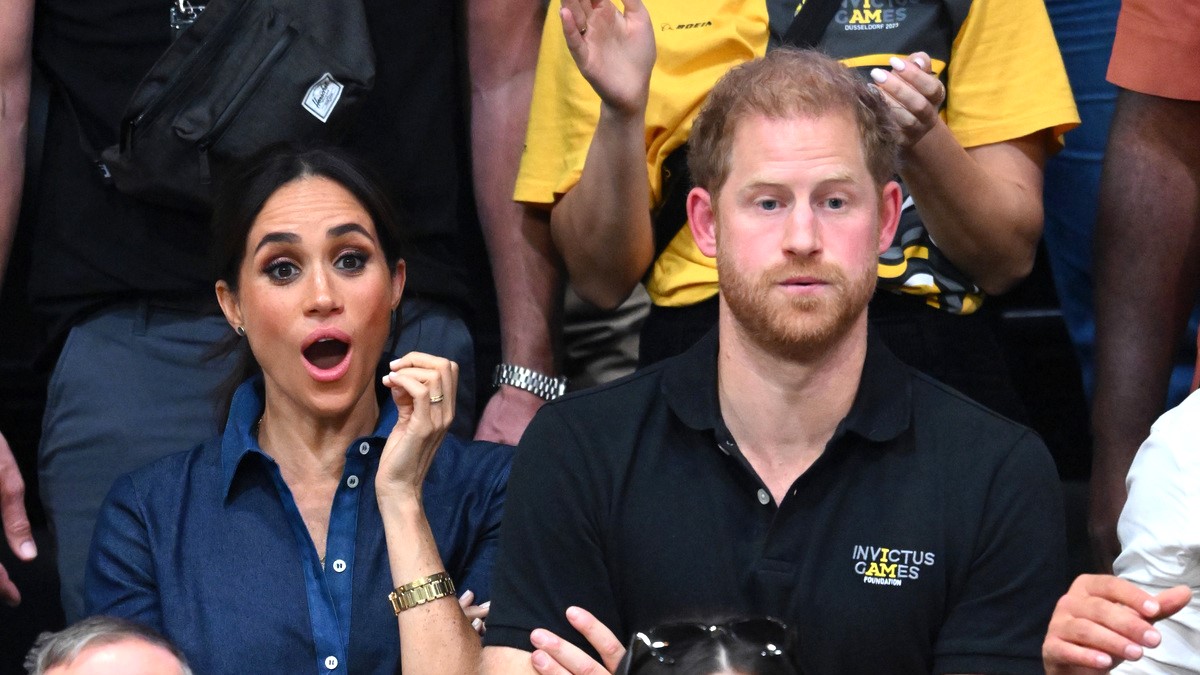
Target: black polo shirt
(927, 537)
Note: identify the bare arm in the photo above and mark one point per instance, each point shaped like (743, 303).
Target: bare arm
(1147, 255)
(982, 205)
(15, 67)
(502, 39)
(602, 225)
(15, 64)
(436, 638)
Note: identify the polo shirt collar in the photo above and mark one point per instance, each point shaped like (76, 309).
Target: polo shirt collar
(881, 411)
(241, 438)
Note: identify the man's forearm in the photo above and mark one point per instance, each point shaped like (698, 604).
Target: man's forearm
(602, 225)
(1147, 253)
(15, 65)
(503, 41)
(982, 206)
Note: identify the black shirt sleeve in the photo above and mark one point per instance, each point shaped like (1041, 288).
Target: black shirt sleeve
(998, 618)
(552, 540)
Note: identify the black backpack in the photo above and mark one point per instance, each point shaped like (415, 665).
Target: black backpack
(245, 75)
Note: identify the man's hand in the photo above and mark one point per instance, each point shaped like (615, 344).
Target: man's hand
(914, 93)
(615, 52)
(16, 521)
(1103, 620)
(507, 414)
(556, 656)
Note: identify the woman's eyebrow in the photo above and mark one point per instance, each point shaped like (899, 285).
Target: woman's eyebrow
(340, 230)
(286, 237)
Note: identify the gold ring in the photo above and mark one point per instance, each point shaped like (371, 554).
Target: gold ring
(436, 399)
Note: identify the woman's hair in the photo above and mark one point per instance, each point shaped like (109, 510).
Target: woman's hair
(239, 200)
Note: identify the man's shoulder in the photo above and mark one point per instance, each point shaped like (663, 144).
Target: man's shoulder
(636, 393)
(947, 421)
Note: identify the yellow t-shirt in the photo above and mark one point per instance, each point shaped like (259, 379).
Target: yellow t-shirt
(1004, 74)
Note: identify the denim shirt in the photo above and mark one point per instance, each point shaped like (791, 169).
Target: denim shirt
(209, 548)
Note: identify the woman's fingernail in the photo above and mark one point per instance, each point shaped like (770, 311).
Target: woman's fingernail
(897, 64)
(28, 550)
(1151, 638)
(1150, 607)
(539, 638)
(476, 623)
(919, 62)
(1103, 661)
(1133, 652)
(540, 660)
(486, 605)
(879, 75)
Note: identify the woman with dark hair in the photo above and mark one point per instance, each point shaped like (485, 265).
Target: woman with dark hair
(273, 547)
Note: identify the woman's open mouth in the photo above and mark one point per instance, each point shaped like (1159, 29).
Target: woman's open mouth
(327, 354)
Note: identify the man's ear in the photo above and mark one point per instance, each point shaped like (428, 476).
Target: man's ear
(890, 202)
(702, 219)
(399, 275)
(227, 298)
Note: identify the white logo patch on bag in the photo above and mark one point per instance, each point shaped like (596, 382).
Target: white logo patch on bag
(322, 96)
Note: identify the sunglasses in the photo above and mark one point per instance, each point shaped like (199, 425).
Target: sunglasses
(661, 647)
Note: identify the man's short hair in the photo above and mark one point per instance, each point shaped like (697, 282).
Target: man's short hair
(63, 647)
(784, 84)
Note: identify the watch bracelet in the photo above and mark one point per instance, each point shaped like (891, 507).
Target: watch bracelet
(421, 591)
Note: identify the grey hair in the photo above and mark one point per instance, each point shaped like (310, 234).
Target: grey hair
(63, 647)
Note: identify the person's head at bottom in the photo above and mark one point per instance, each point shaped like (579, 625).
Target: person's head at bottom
(792, 156)
(105, 645)
(747, 646)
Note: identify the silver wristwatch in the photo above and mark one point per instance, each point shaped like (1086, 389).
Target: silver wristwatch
(543, 386)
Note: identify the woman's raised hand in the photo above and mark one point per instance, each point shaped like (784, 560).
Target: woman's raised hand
(423, 387)
(614, 50)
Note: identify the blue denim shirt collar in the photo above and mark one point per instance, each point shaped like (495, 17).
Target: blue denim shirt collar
(241, 434)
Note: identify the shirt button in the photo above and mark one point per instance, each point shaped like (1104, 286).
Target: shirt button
(364, 448)
(331, 662)
(339, 565)
(763, 497)
(352, 482)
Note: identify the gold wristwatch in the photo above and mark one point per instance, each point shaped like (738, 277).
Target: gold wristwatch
(421, 591)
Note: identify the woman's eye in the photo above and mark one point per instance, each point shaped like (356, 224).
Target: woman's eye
(282, 271)
(351, 261)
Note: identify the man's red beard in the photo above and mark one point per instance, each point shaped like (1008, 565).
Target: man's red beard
(798, 327)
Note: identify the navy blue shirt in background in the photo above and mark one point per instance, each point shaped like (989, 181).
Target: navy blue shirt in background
(208, 547)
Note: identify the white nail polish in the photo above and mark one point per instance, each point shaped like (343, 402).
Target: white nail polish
(28, 550)
(920, 63)
(879, 75)
(897, 64)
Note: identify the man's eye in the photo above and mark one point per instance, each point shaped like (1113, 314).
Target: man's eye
(768, 204)
(351, 261)
(282, 271)
(835, 203)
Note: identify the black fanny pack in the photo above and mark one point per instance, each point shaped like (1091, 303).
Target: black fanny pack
(246, 74)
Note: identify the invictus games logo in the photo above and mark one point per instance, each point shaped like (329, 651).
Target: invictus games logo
(882, 566)
(872, 14)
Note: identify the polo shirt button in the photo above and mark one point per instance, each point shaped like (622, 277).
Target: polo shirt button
(763, 497)
(364, 448)
(331, 662)
(339, 565)
(352, 482)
